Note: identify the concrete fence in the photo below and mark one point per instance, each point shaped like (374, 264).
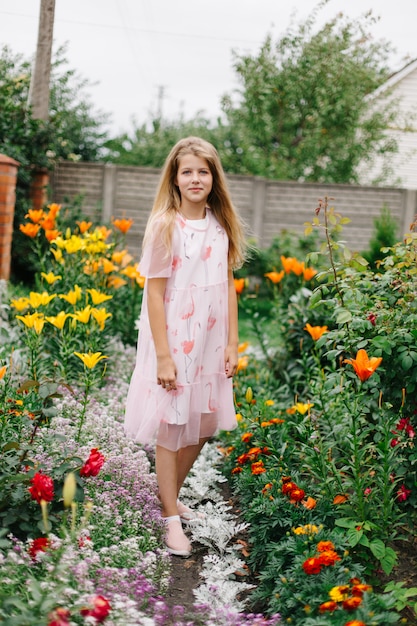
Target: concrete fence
(268, 207)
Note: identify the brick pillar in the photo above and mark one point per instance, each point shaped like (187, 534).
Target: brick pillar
(39, 189)
(8, 176)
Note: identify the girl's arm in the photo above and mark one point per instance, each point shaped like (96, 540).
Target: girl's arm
(166, 369)
(231, 352)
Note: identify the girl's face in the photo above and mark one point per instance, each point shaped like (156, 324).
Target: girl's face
(194, 181)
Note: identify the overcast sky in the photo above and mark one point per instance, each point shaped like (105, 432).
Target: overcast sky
(177, 54)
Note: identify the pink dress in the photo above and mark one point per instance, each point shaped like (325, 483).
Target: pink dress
(196, 305)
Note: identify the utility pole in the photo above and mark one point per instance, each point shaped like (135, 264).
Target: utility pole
(39, 84)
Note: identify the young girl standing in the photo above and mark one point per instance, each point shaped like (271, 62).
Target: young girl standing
(181, 390)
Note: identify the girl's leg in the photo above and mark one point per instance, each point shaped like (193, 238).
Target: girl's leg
(185, 461)
(166, 472)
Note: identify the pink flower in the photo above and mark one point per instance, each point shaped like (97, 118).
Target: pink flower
(59, 617)
(42, 488)
(367, 491)
(372, 318)
(93, 464)
(403, 493)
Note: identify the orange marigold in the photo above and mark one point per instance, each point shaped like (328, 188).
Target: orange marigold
(351, 604)
(328, 606)
(246, 437)
(322, 546)
(312, 565)
(257, 468)
(329, 557)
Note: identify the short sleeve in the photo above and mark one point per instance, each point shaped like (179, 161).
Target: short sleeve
(156, 262)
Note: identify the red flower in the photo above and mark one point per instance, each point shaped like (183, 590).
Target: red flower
(403, 493)
(59, 617)
(323, 546)
(42, 488)
(237, 470)
(40, 544)
(257, 468)
(312, 565)
(297, 494)
(360, 588)
(328, 606)
(394, 442)
(404, 424)
(329, 557)
(287, 488)
(351, 604)
(101, 609)
(372, 318)
(93, 464)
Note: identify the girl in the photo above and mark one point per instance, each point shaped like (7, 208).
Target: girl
(181, 389)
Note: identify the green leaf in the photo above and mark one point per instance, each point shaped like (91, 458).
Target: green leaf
(378, 548)
(343, 317)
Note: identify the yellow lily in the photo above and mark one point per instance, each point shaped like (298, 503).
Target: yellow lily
(50, 277)
(82, 315)
(90, 359)
(40, 299)
(3, 371)
(34, 320)
(58, 320)
(20, 304)
(97, 297)
(72, 296)
(100, 315)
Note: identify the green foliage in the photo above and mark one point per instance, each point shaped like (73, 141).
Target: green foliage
(74, 131)
(302, 111)
(384, 236)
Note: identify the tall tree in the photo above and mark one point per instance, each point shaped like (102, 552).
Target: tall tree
(304, 110)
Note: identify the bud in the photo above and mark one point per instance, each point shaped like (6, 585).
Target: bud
(70, 487)
(249, 395)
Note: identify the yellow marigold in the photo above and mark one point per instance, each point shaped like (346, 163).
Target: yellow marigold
(269, 403)
(307, 529)
(339, 593)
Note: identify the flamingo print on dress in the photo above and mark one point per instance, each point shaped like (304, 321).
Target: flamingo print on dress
(187, 347)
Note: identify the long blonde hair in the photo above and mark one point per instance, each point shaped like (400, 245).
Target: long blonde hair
(168, 199)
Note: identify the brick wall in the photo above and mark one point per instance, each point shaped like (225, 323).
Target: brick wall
(8, 175)
(268, 207)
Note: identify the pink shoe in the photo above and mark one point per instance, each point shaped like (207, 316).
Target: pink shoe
(175, 540)
(187, 515)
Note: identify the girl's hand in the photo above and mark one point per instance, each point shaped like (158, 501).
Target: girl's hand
(166, 373)
(230, 360)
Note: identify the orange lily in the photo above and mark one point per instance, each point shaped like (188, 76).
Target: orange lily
(31, 230)
(84, 226)
(239, 285)
(315, 331)
(363, 365)
(35, 215)
(123, 225)
(275, 277)
(308, 273)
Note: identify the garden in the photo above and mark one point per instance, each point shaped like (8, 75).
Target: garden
(309, 504)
